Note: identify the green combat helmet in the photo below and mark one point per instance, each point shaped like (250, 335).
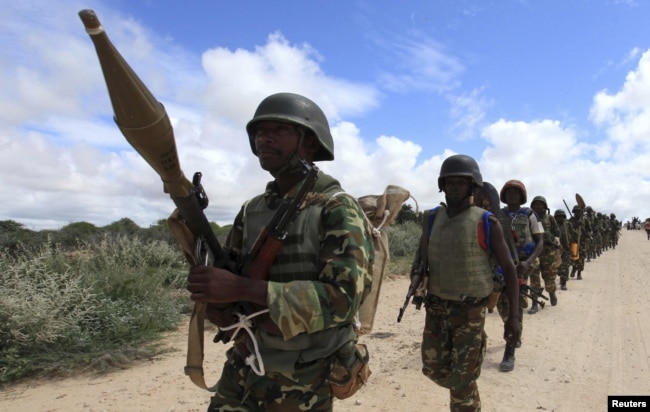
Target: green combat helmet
(460, 165)
(541, 199)
(295, 109)
(559, 212)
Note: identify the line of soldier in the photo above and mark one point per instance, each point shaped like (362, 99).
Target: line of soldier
(598, 233)
(566, 245)
(475, 255)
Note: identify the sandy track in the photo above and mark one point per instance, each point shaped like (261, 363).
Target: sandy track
(594, 343)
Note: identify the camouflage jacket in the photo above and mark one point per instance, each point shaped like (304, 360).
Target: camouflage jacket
(332, 294)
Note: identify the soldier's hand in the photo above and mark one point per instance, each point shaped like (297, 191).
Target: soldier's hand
(522, 268)
(211, 284)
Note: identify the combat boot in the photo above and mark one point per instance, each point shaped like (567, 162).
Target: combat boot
(579, 275)
(533, 309)
(508, 362)
(573, 272)
(563, 285)
(553, 298)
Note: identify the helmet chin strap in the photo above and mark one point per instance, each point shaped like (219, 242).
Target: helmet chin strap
(294, 158)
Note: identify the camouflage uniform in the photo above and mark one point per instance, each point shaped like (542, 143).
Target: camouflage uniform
(616, 227)
(316, 286)
(548, 260)
(522, 250)
(591, 241)
(580, 225)
(454, 338)
(453, 348)
(455, 259)
(567, 236)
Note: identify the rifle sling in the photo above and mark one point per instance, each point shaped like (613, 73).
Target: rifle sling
(194, 364)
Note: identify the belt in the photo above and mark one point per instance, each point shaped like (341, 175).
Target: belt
(433, 300)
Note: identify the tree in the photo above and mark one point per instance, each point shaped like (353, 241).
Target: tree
(406, 214)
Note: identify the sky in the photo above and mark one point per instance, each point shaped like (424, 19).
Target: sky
(554, 93)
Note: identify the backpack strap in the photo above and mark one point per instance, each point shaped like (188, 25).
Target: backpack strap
(427, 225)
(488, 230)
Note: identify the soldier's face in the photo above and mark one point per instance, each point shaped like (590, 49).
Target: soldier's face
(513, 196)
(456, 190)
(539, 207)
(275, 142)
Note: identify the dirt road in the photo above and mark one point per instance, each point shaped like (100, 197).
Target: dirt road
(594, 343)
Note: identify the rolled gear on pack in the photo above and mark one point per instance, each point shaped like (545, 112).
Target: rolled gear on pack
(381, 210)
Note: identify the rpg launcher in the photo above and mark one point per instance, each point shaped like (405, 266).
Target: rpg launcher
(144, 123)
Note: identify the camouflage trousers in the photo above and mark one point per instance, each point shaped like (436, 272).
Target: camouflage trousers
(240, 389)
(503, 306)
(563, 269)
(453, 349)
(547, 269)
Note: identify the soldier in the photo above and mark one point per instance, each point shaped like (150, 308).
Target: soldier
(567, 236)
(550, 258)
(592, 240)
(616, 227)
(525, 238)
(459, 245)
(581, 226)
(316, 283)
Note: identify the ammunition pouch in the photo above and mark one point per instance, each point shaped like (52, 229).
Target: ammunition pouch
(350, 369)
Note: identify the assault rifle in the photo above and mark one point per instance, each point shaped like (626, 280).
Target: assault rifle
(416, 275)
(415, 282)
(145, 124)
(257, 263)
(533, 294)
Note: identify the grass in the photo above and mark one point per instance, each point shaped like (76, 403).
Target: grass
(97, 306)
(104, 303)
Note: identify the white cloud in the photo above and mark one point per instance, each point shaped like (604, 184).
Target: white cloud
(63, 160)
(423, 65)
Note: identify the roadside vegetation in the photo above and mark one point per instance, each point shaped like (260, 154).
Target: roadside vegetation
(87, 298)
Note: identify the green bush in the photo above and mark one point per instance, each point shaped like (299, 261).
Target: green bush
(61, 310)
(88, 297)
(403, 241)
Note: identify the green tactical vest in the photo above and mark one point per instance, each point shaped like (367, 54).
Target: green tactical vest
(298, 259)
(517, 224)
(458, 266)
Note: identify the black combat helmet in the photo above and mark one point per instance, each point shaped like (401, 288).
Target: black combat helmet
(559, 212)
(296, 109)
(460, 165)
